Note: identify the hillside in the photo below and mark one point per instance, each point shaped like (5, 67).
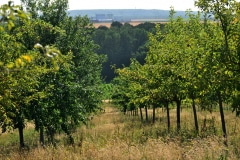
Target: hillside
(124, 14)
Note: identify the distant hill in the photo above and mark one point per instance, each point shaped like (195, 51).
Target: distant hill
(123, 15)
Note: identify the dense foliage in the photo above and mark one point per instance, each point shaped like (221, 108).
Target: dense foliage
(120, 43)
(51, 66)
(50, 72)
(193, 60)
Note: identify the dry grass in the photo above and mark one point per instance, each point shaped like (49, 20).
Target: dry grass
(113, 136)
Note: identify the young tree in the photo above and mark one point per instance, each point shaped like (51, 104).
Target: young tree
(34, 90)
(226, 46)
(168, 55)
(19, 74)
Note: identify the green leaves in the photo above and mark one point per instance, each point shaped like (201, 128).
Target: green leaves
(9, 13)
(50, 73)
(189, 59)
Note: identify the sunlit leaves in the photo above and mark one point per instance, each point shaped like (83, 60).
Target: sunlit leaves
(9, 13)
(224, 37)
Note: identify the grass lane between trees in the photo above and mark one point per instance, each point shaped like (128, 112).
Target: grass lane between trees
(112, 135)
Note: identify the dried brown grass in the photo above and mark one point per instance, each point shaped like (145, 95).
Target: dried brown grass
(113, 136)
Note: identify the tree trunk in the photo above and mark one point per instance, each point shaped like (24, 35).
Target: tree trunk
(168, 115)
(195, 115)
(222, 118)
(178, 115)
(154, 113)
(124, 110)
(136, 112)
(71, 139)
(50, 133)
(41, 139)
(21, 138)
(20, 126)
(146, 113)
(141, 115)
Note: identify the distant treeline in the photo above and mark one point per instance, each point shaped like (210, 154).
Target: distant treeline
(120, 43)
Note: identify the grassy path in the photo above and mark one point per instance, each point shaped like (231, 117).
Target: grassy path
(113, 136)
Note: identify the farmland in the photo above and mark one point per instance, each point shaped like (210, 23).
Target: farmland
(133, 23)
(108, 24)
(129, 91)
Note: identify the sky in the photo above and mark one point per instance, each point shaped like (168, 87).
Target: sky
(182, 5)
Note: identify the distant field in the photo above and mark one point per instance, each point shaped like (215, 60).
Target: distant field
(108, 24)
(133, 22)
